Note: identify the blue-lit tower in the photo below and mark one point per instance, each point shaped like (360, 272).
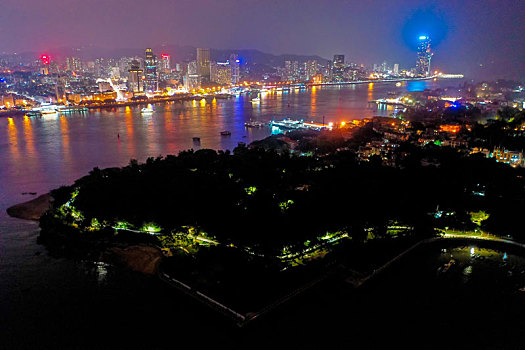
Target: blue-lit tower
(424, 55)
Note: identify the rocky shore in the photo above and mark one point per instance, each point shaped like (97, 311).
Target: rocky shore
(139, 257)
(33, 209)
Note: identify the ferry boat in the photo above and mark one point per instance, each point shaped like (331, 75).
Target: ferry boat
(46, 109)
(254, 124)
(287, 123)
(299, 124)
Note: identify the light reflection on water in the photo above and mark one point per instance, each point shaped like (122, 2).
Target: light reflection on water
(44, 153)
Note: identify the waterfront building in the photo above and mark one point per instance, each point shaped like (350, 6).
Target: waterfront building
(235, 66)
(7, 101)
(396, 69)
(135, 77)
(424, 54)
(384, 67)
(220, 73)
(203, 64)
(151, 81)
(338, 68)
(328, 72)
(310, 69)
(60, 90)
(513, 158)
(287, 70)
(291, 70)
(192, 80)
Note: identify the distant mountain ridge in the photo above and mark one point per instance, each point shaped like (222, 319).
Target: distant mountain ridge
(178, 54)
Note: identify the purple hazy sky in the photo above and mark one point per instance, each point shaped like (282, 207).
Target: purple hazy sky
(483, 39)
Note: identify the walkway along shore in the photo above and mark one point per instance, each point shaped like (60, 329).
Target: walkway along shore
(33, 209)
(242, 320)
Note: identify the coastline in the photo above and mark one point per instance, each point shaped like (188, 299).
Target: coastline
(189, 97)
(32, 209)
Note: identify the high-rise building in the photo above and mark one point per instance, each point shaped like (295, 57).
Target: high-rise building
(151, 82)
(73, 64)
(291, 70)
(396, 69)
(192, 80)
(100, 68)
(424, 55)
(221, 73)
(287, 70)
(135, 77)
(235, 66)
(165, 62)
(203, 63)
(124, 64)
(310, 69)
(338, 68)
(60, 90)
(384, 67)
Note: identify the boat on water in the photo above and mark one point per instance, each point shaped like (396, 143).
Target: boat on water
(447, 266)
(73, 109)
(256, 100)
(147, 110)
(34, 114)
(47, 109)
(291, 124)
(287, 123)
(196, 139)
(254, 124)
(225, 133)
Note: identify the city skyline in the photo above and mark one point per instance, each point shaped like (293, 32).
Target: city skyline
(480, 41)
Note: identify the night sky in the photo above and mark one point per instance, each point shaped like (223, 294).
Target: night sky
(482, 39)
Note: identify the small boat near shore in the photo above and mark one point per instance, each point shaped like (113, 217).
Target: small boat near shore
(73, 109)
(147, 110)
(447, 266)
(34, 114)
(254, 124)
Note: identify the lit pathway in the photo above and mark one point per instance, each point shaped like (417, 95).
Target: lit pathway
(445, 235)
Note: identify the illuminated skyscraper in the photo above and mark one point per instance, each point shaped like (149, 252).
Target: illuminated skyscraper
(166, 62)
(192, 80)
(221, 73)
(203, 64)
(310, 68)
(135, 77)
(235, 66)
(423, 57)
(73, 64)
(151, 83)
(338, 67)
